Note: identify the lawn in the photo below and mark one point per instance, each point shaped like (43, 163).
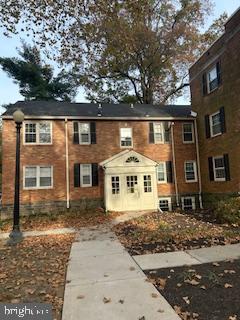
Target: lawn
(35, 270)
(204, 292)
(64, 220)
(166, 232)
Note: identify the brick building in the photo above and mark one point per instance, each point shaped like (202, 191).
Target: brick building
(127, 157)
(215, 84)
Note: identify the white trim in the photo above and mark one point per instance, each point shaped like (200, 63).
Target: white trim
(169, 199)
(37, 133)
(67, 165)
(198, 166)
(81, 175)
(193, 202)
(211, 124)
(174, 163)
(124, 147)
(214, 168)
(162, 132)
(37, 177)
(165, 173)
(193, 135)
(194, 168)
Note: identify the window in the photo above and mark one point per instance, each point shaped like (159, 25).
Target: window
(219, 169)
(165, 204)
(131, 182)
(188, 133)
(188, 203)
(38, 177)
(126, 137)
(190, 171)
(147, 183)
(215, 124)
(115, 185)
(86, 175)
(84, 133)
(158, 132)
(212, 79)
(132, 159)
(162, 172)
(38, 132)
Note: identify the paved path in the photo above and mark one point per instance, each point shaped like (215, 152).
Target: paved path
(105, 283)
(189, 257)
(5, 235)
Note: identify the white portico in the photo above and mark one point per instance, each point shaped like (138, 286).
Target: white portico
(130, 182)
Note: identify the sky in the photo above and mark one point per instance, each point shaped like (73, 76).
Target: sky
(9, 92)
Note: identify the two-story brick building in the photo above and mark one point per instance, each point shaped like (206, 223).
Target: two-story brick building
(127, 157)
(215, 85)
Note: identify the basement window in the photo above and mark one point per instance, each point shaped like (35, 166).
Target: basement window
(165, 204)
(188, 203)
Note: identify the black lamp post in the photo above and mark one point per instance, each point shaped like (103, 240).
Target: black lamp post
(16, 235)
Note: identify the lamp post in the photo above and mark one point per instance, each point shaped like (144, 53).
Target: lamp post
(16, 235)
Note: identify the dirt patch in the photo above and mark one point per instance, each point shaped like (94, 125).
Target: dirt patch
(204, 292)
(166, 232)
(35, 270)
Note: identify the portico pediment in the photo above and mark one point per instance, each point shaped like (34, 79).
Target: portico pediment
(128, 158)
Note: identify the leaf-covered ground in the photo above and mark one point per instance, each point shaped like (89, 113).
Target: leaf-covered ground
(63, 220)
(34, 271)
(165, 232)
(204, 292)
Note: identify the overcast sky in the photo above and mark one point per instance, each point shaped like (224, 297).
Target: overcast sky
(9, 92)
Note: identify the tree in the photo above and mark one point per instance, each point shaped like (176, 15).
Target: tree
(35, 78)
(121, 49)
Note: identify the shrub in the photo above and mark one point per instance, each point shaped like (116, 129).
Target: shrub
(228, 211)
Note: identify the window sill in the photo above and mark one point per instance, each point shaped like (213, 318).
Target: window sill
(191, 181)
(37, 144)
(37, 188)
(188, 142)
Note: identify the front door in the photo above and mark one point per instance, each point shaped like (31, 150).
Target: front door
(132, 191)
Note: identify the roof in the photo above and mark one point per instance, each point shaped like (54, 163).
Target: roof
(57, 109)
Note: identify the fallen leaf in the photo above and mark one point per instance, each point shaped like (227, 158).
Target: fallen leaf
(161, 310)
(215, 264)
(106, 300)
(192, 282)
(186, 299)
(121, 301)
(203, 287)
(228, 285)
(132, 268)
(80, 296)
(142, 318)
(154, 295)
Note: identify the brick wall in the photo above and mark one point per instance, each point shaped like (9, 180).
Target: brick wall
(226, 50)
(108, 144)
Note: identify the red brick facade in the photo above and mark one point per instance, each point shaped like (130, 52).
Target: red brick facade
(225, 51)
(107, 145)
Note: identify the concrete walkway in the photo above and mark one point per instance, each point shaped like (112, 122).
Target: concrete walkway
(105, 283)
(189, 257)
(5, 235)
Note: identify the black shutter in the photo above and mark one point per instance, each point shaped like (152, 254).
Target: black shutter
(222, 118)
(94, 174)
(93, 132)
(207, 126)
(167, 135)
(219, 73)
(210, 167)
(75, 133)
(151, 133)
(204, 84)
(227, 167)
(77, 175)
(169, 171)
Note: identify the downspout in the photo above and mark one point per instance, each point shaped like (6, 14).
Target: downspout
(67, 163)
(174, 164)
(198, 165)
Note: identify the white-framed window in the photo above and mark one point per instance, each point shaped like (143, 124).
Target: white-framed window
(158, 132)
(188, 133)
(162, 172)
(132, 181)
(126, 137)
(37, 132)
(219, 168)
(38, 177)
(190, 168)
(147, 180)
(212, 79)
(115, 185)
(188, 203)
(84, 133)
(165, 204)
(86, 175)
(215, 124)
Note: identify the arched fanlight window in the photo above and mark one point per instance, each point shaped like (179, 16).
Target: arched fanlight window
(132, 159)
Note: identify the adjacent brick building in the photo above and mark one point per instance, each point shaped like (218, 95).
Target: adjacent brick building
(215, 85)
(120, 156)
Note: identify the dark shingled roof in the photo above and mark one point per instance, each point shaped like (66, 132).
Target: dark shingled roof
(68, 109)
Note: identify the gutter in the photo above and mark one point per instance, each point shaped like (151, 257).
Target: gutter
(198, 165)
(174, 164)
(67, 164)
